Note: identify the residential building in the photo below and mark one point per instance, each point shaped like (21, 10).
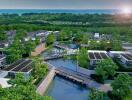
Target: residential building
(127, 47)
(96, 56)
(23, 66)
(124, 56)
(96, 36)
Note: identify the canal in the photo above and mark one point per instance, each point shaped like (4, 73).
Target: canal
(62, 89)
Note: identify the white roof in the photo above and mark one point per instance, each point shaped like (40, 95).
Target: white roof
(100, 51)
(119, 52)
(96, 34)
(3, 82)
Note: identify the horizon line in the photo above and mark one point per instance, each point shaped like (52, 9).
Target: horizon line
(54, 9)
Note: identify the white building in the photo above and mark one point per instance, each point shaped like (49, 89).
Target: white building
(96, 36)
(127, 46)
(124, 56)
(23, 66)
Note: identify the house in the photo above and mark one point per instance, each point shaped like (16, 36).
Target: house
(23, 66)
(2, 61)
(96, 56)
(127, 46)
(106, 37)
(42, 34)
(11, 35)
(96, 36)
(124, 56)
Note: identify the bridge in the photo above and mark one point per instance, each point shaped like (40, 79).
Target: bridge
(56, 56)
(61, 47)
(77, 77)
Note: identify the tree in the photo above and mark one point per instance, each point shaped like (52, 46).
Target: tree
(116, 45)
(15, 51)
(78, 37)
(96, 95)
(40, 69)
(50, 39)
(121, 86)
(21, 90)
(65, 35)
(2, 36)
(106, 68)
(82, 58)
(29, 46)
(85, 38)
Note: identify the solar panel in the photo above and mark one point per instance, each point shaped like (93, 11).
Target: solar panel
(14, 65)
(21, 65)
(26, 69)
(104, 56)
(91, 55)
(97, 55)
(127, 57)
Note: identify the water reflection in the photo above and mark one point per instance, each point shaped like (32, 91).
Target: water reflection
(61, 89)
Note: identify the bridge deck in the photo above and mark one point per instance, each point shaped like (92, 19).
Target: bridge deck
(80, 78)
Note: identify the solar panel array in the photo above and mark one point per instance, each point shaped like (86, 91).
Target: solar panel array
(127, 56)
(22, 65)
(97, 55)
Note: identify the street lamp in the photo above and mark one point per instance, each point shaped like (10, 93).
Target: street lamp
(77, 61)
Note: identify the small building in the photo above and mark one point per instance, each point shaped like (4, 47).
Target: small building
(124, 56)
(23, 66)
(2, 61)
(96, 56)
(96, 36)
(127, 47)
(11, 35)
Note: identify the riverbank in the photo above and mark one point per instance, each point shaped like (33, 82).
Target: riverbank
(41, 89)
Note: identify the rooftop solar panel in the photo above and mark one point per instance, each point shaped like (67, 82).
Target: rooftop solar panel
(127, 57)
(21, 65)
(91, 55)
(26, 69)
(97, 55)
(104, 56)
(14, 65)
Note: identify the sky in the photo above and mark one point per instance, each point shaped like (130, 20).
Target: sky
(64, 4)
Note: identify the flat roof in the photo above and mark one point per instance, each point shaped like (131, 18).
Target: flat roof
(97, 55)
(127, 56)
(22, 65)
